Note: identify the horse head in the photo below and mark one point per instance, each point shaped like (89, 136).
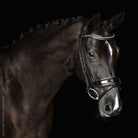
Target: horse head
(98, 52)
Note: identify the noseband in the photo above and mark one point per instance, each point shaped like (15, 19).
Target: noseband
(91, 85)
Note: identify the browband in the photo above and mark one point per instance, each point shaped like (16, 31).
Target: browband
(98, 37)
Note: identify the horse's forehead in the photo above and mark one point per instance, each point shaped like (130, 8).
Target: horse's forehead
(104, 48)
(102, 31)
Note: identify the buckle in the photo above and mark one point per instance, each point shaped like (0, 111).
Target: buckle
(93, 93)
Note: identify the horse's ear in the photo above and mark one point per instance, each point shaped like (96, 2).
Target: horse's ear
(92, 24)
(115, 22)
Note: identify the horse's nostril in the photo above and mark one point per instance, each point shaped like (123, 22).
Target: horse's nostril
(108, 108)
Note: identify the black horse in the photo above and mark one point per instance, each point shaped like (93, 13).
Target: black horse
(33, 70)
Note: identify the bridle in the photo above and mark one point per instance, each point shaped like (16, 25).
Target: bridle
(91, 85)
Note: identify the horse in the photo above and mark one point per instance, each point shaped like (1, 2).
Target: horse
(34, 68)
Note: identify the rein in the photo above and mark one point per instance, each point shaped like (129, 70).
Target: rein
(109, 83)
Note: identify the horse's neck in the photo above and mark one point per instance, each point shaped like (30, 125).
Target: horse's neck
(65, 46)
(50, 64)
(33, 76)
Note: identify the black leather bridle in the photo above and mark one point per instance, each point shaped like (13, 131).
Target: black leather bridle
(91, 85)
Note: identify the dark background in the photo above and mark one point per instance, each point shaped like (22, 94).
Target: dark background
(75, 113)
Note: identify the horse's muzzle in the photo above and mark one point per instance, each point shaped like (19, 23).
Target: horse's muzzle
(109, 106)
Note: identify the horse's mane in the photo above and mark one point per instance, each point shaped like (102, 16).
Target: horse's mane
(48, 27)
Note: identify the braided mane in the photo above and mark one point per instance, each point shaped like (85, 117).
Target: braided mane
(49, 27)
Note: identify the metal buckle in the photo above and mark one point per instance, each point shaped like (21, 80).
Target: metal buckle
(93, 93)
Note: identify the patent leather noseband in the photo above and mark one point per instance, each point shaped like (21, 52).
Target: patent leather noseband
(92, 85)
(108, 84)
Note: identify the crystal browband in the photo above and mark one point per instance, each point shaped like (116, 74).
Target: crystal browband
(98, 37)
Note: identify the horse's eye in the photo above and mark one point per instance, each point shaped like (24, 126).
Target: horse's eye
(91, 55)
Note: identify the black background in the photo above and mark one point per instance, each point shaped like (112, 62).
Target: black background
(75, 113)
